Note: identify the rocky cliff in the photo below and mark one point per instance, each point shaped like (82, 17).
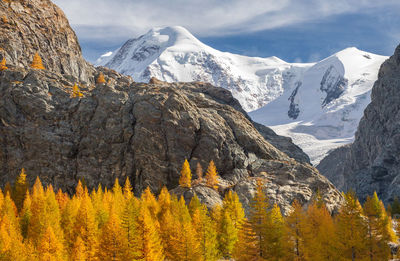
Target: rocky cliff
(123, 129)
(27, 27)
(141, 131)
(372, 162)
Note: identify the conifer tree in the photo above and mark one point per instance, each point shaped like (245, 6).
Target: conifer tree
(185, 181)
(212, 176)
(112, 241)
(232, 205)
(379, 233)
(68, 217)
(150, 201)
(9, 210)
(50, 248)
(206, 233)
(168, 231)
(295, 227)
(118, 198)
(100, 79)
(25, 215)
(258, 217)
(128, 190)
(351, 229)
(147, 242)
(246, 248)
(319, 234)
(37, 62)
(85, 226)
(76, 92)
(20, 188)
(79, 250)
(194, 204)
(186, 245)
(79, 190)
(275, 232)
(3, 64)
(129, 219)
(164, 201)
(227, 235)
(11, 246)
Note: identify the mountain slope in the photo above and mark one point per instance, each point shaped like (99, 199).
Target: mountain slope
(372, 162)
(323, 110)
(318, 104)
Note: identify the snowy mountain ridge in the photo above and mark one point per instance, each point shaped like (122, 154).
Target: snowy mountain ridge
(173, 54)
(318, 104)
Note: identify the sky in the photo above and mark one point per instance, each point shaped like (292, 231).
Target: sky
(293, 30)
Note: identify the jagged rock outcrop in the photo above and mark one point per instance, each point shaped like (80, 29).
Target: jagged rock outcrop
(40, 26)
(141, 131)
(372, 162)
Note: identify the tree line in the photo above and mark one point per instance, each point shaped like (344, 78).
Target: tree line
(37, 223)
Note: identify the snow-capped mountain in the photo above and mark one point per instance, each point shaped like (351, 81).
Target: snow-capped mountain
(173, 54)
(318, 104)
(323, 109)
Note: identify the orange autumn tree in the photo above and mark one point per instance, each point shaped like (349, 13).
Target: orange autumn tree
(212, 176)
(185, 181)
(3, 64)
(20, 188)
(76, 92)
(37, 62)
(100, 79)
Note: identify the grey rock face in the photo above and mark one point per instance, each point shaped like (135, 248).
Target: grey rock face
(333, 83)
(40, 26)
(294, 110)
(372, 162)
(141, 131)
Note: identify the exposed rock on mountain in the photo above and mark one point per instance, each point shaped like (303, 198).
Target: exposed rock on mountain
(372, 162)
(141, 131)
(40, 26)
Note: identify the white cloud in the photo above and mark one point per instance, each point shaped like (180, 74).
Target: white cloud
(204, 17)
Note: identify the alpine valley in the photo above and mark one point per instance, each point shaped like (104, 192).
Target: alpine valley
(317, 104)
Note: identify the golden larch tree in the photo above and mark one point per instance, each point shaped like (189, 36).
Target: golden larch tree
(100, 78)
(3, 64)
(206, 233)
(247, 248)
(212, 176)
(147, 241)
(275, 232)
(320, 237)
(20, 188)
(37, 62)
(113, 241)
(76, 92)
(50, 248)
(79, 250)
(351, 229)
(185, 181)
(379, 231)
(86, 227)
(258, 217)
(295, 230)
